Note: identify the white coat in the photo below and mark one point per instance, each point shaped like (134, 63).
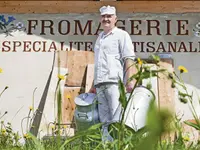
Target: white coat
(111, 51)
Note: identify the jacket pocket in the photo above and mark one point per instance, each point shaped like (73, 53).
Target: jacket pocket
(114, 67)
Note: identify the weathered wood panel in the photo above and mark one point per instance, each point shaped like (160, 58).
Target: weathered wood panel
(82, 6)
(68, 105)
(77, 62)
(89, 77)
(166, 94)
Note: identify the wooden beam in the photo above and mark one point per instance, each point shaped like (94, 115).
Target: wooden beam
(166, 94)
(82, 6)
(108, 0)
(68, 105)
(77, 62)
(89, 77)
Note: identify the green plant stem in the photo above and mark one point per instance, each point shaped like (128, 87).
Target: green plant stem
(194, 113)
(27, 123)
(121, 134)
(137, 81)
(193, 109)
(59, 108)
(22, 124)
(59, 103)
(55, 96)
(3, 91)
(33, 99)
(3, 114)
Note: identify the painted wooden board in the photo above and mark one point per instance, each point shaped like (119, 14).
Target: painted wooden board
(68, 105)
(89, 77)
(77, 62)
(166, 94)
(82, 6)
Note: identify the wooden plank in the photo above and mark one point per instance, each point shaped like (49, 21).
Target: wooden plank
(191, 132)
(77, 62)
(68, 105)
(63, 59)
(166, 94)
(89, 77)
(82, 6)
(108, 0)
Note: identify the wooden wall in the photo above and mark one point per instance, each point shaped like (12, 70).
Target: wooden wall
(82, 6)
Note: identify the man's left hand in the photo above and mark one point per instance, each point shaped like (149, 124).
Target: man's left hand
(129, 87)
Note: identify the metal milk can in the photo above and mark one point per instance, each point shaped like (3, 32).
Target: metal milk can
(137, 108)
(86, 113)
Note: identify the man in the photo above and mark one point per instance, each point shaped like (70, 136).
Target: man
(114, 54)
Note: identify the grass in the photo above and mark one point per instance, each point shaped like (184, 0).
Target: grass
(159, 122)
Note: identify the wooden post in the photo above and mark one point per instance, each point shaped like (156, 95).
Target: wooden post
(166, 94)
(89, 77)
(68, 105)
(108, 0)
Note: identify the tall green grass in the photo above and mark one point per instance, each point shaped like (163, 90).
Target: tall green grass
(159, 123)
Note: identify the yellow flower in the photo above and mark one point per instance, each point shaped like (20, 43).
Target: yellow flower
(53, 127)
(61, 77)
(164, 141)
(25, 136)
(3, 131)
(68, 96)
(186, 138)
(182, 69)
(65, 126)
(139, 61)
(30, 108)
(1, 70)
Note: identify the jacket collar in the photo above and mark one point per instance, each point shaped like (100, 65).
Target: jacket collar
(111, 32)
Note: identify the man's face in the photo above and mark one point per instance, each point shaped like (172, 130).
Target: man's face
(108, 21)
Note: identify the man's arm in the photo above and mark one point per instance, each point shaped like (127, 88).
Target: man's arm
(130, 70)
(128, 57)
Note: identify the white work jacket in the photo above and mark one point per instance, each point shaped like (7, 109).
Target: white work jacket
(111, 51)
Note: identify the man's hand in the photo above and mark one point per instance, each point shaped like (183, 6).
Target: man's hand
(129, 87)
(93, 90)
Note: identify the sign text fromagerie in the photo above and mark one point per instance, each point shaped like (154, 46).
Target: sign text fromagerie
(149, 32)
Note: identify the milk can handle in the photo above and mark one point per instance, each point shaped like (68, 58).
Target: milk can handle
(83, 115)
(85, 96)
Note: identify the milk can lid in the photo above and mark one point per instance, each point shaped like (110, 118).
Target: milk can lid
(85, 99)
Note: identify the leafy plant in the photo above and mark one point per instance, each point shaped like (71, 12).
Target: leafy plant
(158, 123)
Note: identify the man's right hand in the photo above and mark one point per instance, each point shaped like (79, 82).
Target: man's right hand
(92, 90)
